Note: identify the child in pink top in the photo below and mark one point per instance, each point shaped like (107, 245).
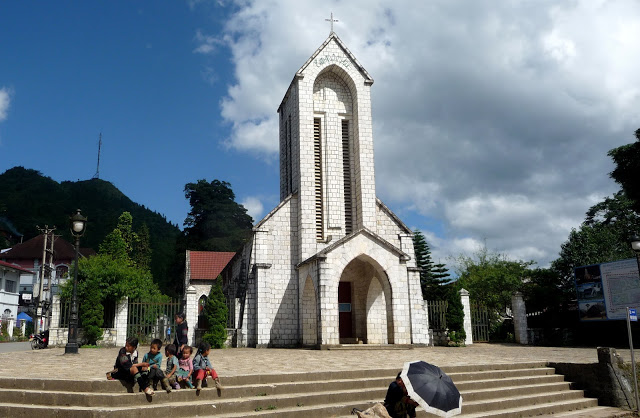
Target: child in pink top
(185, 367)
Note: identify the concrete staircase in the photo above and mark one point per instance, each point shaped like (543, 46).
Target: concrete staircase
(501, 390)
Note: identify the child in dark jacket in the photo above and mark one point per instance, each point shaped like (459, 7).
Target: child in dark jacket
(128, 369)
(202, 366)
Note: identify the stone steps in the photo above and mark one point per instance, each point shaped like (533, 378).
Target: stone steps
(518, 389)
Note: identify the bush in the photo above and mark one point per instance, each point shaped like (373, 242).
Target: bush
(216, 313)
(455, 316)
(92, 315)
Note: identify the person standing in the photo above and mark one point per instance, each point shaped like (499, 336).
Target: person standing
(181, 333)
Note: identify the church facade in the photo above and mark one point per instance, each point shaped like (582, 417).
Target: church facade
(331, 264)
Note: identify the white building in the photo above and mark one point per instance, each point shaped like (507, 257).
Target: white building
(331, 264)
(9, 280)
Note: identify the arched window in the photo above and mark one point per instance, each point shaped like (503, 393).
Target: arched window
(202, 320)
(61, 271)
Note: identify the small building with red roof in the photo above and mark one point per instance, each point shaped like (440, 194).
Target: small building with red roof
(202, 268)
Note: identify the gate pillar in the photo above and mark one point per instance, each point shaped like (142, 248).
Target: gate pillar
(466, 308)
(519, 318)
(120, 321)
(191, 313)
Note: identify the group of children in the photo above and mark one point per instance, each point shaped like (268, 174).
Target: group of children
(180, 371)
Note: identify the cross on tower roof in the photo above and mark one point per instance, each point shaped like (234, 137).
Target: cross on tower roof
(332, 20)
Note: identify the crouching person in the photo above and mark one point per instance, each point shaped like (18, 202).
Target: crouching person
(128, 369)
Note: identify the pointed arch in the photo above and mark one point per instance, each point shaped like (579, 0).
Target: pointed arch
(309, 314)
(372, 313)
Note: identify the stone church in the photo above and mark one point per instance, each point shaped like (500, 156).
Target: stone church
(331, 264)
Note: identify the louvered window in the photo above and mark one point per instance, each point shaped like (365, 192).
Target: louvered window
(317, 166)
(289, 159)
(346, 167)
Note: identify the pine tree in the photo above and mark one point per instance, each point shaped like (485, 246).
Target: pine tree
(432, 276)
(142, 250)
(216, 312)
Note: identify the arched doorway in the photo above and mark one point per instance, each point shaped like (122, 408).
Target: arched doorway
(309, 314)
(364, 303)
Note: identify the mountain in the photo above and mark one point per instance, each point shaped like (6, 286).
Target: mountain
(29, 199)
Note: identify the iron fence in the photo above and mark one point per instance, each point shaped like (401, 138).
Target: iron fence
(479, 322)
(149, 320)
(437, 314)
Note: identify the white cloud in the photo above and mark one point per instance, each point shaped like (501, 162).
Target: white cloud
(254, 207)
(207, 44)
(493, 119)
(5, 101)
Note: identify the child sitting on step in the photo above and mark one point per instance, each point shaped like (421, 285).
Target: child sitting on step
(172, 365)
(202, 366)
(185, 367)
(154, 358)
(128, 369)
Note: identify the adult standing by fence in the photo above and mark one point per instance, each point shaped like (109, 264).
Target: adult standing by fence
(182, 332)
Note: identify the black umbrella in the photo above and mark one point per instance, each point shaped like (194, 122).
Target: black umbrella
(431, 388)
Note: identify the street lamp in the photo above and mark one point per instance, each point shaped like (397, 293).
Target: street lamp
(78, 225)
(635, 246)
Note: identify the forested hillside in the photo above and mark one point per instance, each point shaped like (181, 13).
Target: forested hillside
(28, 199)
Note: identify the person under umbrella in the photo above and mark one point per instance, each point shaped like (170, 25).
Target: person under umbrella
(431, 388)
(397, 402)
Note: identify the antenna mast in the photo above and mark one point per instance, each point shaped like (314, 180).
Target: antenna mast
(97, 175)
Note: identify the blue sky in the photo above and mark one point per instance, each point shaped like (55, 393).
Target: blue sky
(127, 71)
(491, 119)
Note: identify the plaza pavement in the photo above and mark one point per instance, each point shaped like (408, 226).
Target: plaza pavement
(93, 363)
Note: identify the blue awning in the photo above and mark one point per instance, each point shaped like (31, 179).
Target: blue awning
(24, 316)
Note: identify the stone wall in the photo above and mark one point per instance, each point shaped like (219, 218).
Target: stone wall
(610, 380)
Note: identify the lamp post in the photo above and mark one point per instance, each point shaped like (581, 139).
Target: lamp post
(78, 225)
(635, 246)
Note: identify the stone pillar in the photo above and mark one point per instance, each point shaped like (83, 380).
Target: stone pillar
(120, 321)
(23, 327)
(10, 324)
(55, 312)
(466, 309)
(519, 318)
(191, 313)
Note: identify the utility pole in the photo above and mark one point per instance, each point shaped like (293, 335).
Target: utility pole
(45, 273)
(97, 175)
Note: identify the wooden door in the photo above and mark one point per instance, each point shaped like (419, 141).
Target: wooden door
(344, 309)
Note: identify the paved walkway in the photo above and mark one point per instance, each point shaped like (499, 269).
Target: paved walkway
(95, 362)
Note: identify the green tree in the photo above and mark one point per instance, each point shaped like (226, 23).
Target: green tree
(215, 311)
(627, 160)
(142, 251)
(491, 278)
(602, 237)
(216, 222)
(109, 276)
(432, 276)
(91, 313)
(455, 314)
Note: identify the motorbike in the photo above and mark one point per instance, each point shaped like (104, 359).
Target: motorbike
(40, 340)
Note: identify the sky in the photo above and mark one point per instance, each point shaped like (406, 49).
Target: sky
(491, 120)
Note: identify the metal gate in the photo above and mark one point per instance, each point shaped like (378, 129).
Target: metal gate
(479, 323)
(149, 320)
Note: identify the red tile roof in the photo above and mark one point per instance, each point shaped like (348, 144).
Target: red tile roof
(32, 249)
(207, 265)
(14, 267)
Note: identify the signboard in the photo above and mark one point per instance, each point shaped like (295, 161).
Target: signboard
(606, 290)
(633, 315)
(26, 297)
